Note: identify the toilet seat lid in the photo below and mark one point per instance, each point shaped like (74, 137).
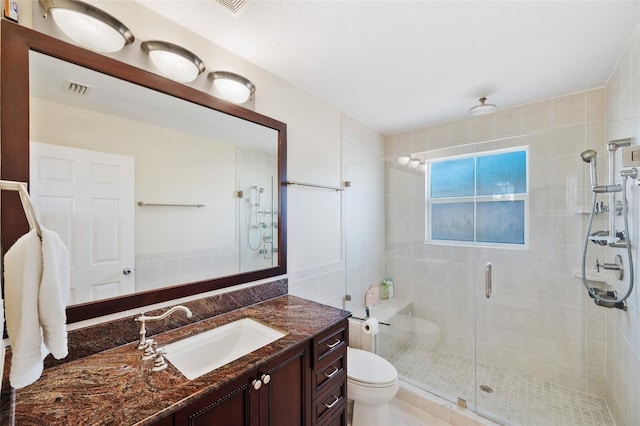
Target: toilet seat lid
(367, 367)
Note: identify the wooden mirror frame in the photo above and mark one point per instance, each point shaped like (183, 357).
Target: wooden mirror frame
(15, 43)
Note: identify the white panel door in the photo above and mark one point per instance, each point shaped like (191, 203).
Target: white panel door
(88, 198)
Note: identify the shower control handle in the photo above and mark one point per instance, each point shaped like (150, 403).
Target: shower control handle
(487, 280)
(618, 266)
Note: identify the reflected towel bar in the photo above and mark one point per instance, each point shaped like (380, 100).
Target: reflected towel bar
(311, 185)
(143, 204)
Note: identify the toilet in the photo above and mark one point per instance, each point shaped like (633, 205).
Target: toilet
(372, 382)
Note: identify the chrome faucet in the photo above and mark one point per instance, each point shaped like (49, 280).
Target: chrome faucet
(143, 319)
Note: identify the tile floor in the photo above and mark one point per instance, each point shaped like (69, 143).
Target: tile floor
(516, 398)
(405, 414)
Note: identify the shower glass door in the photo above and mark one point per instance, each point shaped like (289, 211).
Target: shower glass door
(430, 255)
(506, 279)
(467, 274)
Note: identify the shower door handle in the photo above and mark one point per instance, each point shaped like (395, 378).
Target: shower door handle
(487, 280)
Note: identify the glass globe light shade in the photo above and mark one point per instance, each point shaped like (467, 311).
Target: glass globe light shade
(88, 31)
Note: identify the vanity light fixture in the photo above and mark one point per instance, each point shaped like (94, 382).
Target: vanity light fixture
(175, 62)
(483, 108)
(231, 87)
(87, 25)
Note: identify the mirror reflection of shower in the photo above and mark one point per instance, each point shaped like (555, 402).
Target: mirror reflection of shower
(611, 237)
(259, 224)
(255, 225)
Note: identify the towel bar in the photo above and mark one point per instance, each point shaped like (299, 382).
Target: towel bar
(143, 204)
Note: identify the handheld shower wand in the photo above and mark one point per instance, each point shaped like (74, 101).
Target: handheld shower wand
(590, 156)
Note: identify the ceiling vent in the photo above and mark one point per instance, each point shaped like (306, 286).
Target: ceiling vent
(78, 88)
(234, 7)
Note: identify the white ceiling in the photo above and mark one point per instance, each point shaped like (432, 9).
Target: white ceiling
(401, 65)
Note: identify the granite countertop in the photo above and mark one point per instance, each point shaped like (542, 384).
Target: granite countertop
(115, 387)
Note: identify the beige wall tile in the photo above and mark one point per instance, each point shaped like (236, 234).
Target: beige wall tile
(537, 116)
(483, 127)
(570, 109)
(440, 136)
(460, 131)
(509, 122)
(596, 108)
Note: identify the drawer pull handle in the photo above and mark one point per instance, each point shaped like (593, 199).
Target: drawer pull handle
(333, 373)
(334, 344)
(330, 406)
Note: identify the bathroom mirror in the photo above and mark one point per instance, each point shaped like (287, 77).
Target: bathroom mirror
(160, 190)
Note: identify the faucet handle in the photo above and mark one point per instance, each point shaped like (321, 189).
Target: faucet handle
(149, 350)
(160, 363)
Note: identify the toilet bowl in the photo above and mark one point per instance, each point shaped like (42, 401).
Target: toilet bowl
(372, 382)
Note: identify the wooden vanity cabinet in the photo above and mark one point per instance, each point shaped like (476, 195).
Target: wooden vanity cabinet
(304, 386)
(274, 394)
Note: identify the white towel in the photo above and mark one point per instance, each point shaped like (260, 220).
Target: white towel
(22, 276)
(54, 292)
(37, 280)
(2, 347)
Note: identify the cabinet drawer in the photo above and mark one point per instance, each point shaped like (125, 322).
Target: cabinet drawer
(328, 343)
(339, 419)
(330, 374)
(329, 405)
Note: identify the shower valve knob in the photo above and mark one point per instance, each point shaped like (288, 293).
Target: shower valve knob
(618, 266)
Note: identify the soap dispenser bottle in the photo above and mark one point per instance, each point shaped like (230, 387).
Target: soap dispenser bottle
(391, 290)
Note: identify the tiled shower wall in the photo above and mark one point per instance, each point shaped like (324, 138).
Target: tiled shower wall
(623, 328)
(539, 320)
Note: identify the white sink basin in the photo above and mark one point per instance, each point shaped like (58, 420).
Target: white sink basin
(204, 352)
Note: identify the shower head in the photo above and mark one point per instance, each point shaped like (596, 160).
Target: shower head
(589, 156)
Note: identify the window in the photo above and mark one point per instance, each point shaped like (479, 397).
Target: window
(480, 199)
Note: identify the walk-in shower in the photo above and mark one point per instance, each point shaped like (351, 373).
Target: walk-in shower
(532, 353)
(613, 238)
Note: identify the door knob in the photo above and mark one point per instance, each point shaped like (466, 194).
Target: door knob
(265, 379)
(257, 384)
(126, 271)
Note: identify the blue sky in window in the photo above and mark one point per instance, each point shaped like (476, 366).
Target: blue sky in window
(452, 178)
(502, 173)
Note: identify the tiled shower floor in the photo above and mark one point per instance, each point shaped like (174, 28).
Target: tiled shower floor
(517, 398)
